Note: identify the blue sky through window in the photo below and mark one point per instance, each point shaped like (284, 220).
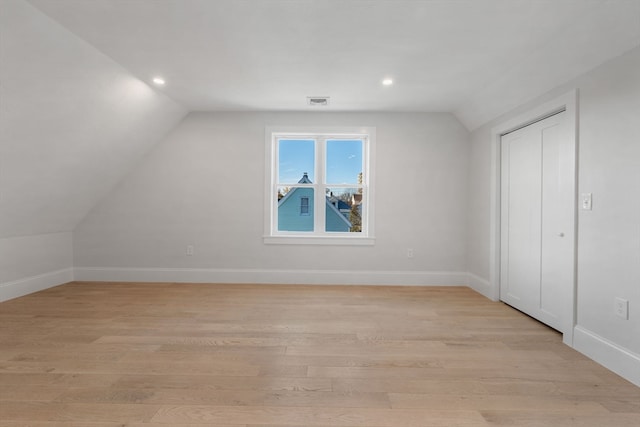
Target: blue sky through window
(343, 160)
(295, 157)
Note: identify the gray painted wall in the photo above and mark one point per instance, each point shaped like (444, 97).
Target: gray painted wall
(204, 186)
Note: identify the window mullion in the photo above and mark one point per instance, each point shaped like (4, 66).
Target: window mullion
(364, 187)
(319, 205)
(275, 167)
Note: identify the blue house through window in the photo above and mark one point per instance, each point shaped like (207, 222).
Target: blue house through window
(295, 211)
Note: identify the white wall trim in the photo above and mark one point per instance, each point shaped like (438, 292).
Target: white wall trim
(610, 355)
(569, 103)
(320, 240)
(480, 285)
(28, 285)
(266, 276)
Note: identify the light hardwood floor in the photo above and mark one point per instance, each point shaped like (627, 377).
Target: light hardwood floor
(131, 354)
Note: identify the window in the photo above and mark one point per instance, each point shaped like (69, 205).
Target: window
(319, 187)
(304, 206)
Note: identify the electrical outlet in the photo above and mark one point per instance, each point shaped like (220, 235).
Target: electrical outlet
(621, 308)
(189, 250)
(409, 253)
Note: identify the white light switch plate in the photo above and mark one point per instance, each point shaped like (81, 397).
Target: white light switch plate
(586, 201)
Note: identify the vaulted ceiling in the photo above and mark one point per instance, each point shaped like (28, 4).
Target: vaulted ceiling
(78, 109)
(476, 58)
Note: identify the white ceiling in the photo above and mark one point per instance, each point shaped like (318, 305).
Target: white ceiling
(476, 58)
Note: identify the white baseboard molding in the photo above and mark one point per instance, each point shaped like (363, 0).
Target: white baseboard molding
(311, 277)
(610, 355)
(28, 285)
(480, 285)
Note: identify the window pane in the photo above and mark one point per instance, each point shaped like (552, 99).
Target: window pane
(304, 206)
(295, 208)
(295, 158)
(343, 210)
(344, 161)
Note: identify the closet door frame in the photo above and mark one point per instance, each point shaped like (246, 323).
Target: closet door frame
(568, 103)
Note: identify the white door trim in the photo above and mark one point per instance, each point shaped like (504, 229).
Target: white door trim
(567, 102)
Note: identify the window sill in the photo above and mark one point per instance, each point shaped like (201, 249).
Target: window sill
(319, 240)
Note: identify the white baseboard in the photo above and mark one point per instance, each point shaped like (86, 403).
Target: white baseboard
(312, 277)
(613, 357)
(28, 285)
(480, 285)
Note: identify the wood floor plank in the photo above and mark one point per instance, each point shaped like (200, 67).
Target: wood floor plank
(484, 402)
(84, 367)
(540, 419)
(106, 424)
(318, 416)
(28, 393)
(213, 383)
(93, 412)
(188, 396)
(166, 354)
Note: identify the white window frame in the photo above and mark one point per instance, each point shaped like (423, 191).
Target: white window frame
(271, 233)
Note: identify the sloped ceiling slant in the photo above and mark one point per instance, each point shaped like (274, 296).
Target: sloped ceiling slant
(72, 123)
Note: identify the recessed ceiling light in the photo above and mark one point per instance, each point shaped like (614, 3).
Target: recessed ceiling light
(159, 81)
(387, 82)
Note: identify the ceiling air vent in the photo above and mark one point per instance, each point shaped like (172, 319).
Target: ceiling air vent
(318, 101)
